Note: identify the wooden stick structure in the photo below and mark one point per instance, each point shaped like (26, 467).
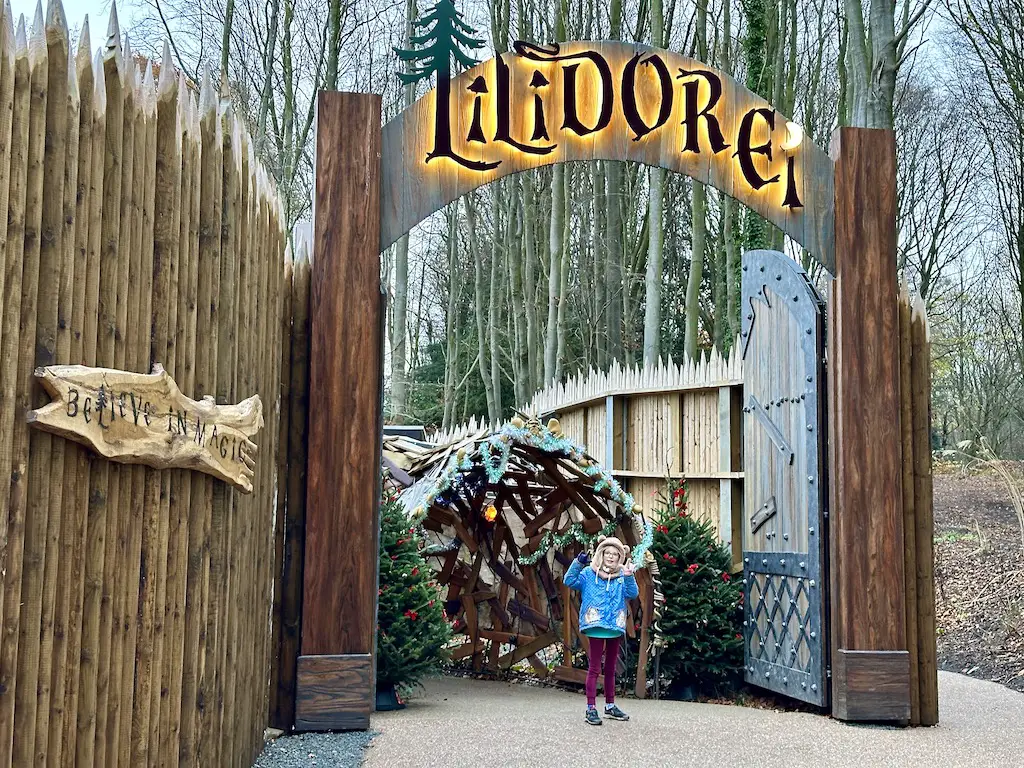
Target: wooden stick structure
(500, 544)
(141, 235)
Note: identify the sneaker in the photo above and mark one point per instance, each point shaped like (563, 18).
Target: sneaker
(614, 713)
(592, 717)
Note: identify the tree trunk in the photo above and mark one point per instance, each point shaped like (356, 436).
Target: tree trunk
(333, 44)
(758, 54)
(872, 63)
(451, 357)
(723, 333)
(225, 42)
(556, 246)
(479, 310)
(530, 279)
(517, 249)
(399, 330)
(496, 299)
(700, 234)
(656, 228)
(613, 238)
(699, 210)
(563, 293)
(268, 75)
(613, 264)
(597, 251)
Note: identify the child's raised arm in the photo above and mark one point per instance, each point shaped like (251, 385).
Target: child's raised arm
(631, 588)
(572, 576)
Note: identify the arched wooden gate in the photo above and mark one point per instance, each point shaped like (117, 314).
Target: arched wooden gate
(615, 101)
(784, 531)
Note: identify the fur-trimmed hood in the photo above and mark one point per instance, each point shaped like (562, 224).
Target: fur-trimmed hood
(604, 543)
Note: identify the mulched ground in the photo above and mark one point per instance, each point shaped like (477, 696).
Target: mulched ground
(979, 567)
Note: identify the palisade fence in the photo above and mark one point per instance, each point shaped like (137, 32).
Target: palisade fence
(137, 604)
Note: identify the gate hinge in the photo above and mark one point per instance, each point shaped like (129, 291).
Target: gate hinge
(828, 673)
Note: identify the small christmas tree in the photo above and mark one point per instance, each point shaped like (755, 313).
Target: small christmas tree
(445, 38)
(412, 630)
(702, 623)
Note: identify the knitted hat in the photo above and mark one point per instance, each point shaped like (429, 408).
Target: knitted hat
(606, 542)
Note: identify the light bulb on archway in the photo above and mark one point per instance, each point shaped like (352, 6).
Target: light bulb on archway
(794, 135)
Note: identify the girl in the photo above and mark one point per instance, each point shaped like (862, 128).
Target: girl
(604, 587)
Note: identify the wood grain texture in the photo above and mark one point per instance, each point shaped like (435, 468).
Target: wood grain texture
(345, 366)
(867, 555)
(924, 560)
(909, 516)
(871, 685)
(335, 692)
(135, 425)
(412, 189)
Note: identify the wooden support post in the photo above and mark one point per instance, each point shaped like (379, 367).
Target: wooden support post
(615, 417)
(335, 689)
(924, 517)
(730, 491)
(868, 621)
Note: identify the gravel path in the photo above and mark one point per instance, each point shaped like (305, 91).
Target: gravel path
(323, 750)
(476, 724)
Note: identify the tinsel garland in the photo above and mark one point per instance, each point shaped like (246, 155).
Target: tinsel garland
(645, 543)
(494, 453)
(575, 533)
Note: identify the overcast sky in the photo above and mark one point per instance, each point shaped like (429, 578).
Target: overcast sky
(75, 10)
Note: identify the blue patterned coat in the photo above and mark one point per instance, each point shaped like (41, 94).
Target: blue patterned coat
(603, 601)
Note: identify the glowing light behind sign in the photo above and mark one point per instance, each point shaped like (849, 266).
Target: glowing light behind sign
(612, 101)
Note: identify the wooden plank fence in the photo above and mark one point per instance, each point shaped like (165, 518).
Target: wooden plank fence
(135, 610)
(648, 424)
(918, 517)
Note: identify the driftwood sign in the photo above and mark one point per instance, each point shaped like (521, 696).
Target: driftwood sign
(134, 418)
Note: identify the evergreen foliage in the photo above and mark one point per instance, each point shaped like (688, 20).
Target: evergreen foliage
(703, 619)
(412, 629)
(445, 36)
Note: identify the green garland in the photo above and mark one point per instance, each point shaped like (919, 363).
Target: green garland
(575, 533)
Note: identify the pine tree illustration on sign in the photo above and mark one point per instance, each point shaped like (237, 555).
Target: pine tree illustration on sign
(445, 38)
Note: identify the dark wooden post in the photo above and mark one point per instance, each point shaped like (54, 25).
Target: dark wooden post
(334, 686)
(870, 662)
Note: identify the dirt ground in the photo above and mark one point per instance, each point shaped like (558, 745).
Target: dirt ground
(979, 567)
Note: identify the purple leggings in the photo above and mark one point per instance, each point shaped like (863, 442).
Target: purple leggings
(608, 648)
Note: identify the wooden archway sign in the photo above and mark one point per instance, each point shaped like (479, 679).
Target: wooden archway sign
(368, 193)
(604, 101)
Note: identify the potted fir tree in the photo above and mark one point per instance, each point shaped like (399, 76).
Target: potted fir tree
(703, 617)
(412, 629)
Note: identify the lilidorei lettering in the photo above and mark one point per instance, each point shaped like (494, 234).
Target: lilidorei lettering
(545, 99)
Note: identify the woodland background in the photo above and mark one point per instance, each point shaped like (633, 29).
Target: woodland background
(539, 275)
